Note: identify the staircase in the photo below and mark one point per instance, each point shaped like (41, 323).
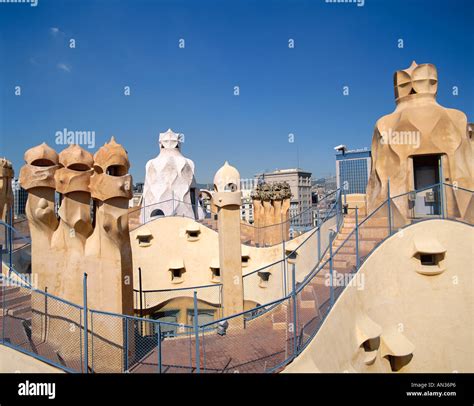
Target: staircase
(15, 315)
(313, 302)
(14, 302)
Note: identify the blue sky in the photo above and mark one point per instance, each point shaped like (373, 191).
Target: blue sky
(227, 43)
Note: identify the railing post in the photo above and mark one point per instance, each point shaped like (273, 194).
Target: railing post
(221, 305)
(45, 313)
(319, 239)
(10, 241)
(389, 208)
(141, 290)
(144, 209)
(159, 349)
(331, 273)
(3, 298)
(441, 188)
(125, 346)
(283, 247)
(295, 315)
(441, 192)
(357, 235)
(196, 334)
(86, 333)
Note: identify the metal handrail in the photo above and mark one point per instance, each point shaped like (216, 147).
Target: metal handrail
(135, 209)
(302, 285)
(142, 319)
(267, 307)
(274, 302)
(175, 289)
(312, 233)
(418, 190)
(287, 256)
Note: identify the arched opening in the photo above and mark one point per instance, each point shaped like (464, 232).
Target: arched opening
(157, 213)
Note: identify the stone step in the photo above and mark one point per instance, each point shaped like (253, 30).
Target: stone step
(12, 299)
(339, 267)
(22, 311)
(371, 222)
(339, 263)
(371, 233)
(349, 243)
(307, 293)
(305, 315)
(345, 230)
(9, 290)
(367, 245)
(307, 304)
(348, 258)
(345, 249)
(279, 319)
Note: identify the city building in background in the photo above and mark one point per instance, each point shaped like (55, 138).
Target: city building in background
(301, 201)
(322, 187)
(352, 169)
(246, 209)
(20, 196)
(137, 194)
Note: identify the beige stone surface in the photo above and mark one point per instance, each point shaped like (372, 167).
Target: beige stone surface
(12, 361)
(394, 318)
(420, 126)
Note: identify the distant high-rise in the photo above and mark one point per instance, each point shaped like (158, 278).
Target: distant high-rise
(353, 169)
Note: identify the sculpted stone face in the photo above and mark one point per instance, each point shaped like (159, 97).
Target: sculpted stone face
(99, 244)
(110, 178)
(417, 79)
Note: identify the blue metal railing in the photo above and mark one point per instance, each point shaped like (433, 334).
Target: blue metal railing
(264, 310)
(141, 340)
